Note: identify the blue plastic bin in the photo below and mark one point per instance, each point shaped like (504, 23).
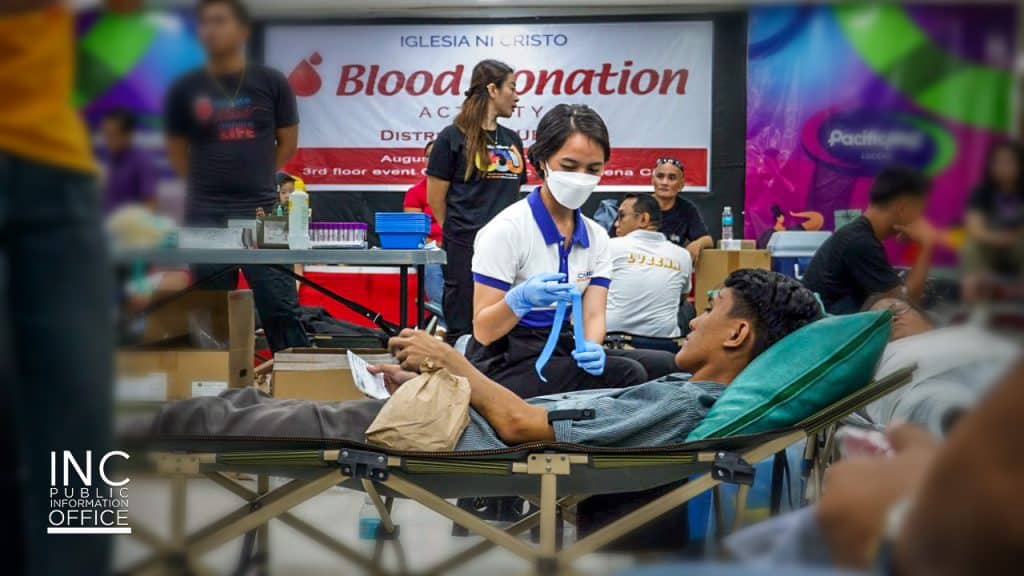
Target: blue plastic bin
(402, 222)
(402, 230)
(402, 240)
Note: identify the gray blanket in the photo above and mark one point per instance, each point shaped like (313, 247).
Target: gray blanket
(247, 412)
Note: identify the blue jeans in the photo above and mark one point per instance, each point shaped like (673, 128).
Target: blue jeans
(56, 352)
(433, 283)
(273, 291)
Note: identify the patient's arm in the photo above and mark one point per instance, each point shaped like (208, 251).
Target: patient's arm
(967, 517)
(512, 418)
(859, 492)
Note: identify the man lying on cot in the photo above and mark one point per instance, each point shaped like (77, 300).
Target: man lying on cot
(753, 310)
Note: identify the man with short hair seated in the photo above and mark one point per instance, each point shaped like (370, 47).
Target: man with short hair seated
(753, 310)
(852, 264)
(649, 273)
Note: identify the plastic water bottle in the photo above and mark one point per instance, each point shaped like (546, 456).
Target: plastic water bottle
(298, 219)
(369, 521)
(727, 223)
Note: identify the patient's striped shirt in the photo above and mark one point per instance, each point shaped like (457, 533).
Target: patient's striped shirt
(658, 413)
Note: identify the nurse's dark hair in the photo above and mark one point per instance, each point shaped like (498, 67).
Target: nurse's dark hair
(559, 124)
(471, 117)
(776, 305)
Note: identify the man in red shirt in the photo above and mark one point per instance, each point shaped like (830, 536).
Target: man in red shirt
(416, 201)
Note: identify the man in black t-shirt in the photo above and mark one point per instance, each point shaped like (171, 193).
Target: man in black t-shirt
(852, 265)
(681, 221)
(230, 126)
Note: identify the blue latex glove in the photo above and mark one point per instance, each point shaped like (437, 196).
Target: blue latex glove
(539, 291)
(591, 358)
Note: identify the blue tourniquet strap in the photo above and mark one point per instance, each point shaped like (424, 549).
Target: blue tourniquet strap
(556, 330)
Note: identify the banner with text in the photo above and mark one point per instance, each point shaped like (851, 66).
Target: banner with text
(370, 97)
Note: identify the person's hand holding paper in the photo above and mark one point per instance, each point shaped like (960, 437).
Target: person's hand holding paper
(370, 383)
(393, 375)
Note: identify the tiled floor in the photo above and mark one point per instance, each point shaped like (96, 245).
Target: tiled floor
(426, 536)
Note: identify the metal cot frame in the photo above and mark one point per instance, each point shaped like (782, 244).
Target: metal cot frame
(555, 477)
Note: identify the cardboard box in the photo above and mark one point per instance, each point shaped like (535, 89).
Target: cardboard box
(716, 265)
(145, 373)
(320, 373)
(170, 322)
(171, 371)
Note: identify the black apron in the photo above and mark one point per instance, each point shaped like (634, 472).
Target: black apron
(510, 362)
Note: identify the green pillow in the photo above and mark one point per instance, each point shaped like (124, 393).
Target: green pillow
(803, 373)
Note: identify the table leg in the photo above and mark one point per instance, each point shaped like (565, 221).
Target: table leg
(421, 271)
(263, 536)
(403, 296)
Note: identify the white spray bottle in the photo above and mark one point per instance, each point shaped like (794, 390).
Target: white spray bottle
(298, 218)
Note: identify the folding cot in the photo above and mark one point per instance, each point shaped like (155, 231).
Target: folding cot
(553, 476)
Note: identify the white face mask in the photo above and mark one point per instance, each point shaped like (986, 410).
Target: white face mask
(570, 189)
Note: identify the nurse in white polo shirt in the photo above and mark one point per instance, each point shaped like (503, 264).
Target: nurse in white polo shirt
(526, 259)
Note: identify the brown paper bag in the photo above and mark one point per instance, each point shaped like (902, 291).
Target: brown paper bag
(428, 414)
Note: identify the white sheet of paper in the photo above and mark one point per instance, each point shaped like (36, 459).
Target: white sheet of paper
(370, 384)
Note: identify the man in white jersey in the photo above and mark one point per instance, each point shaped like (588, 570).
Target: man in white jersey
(649, 273)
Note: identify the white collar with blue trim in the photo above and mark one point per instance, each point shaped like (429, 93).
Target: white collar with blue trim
(547, 226)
